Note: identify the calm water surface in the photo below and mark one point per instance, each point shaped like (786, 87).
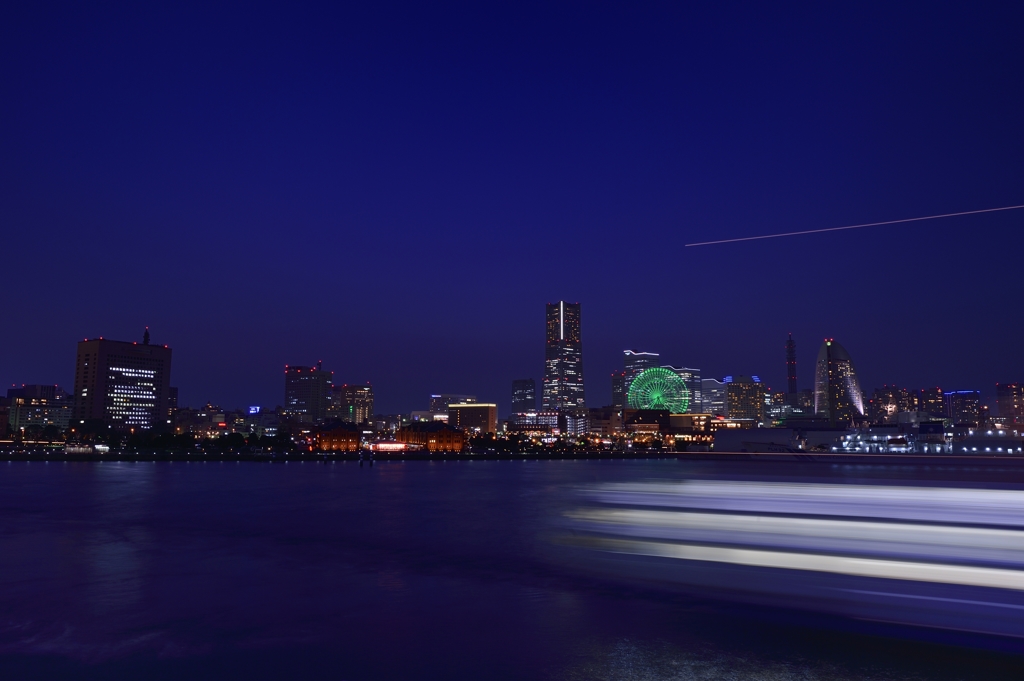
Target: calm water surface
(415, 570)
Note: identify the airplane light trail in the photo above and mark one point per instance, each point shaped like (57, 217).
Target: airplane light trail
(867, 224)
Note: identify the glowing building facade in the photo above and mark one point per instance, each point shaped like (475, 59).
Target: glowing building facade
(963, 407)
(475, 417)
(434, 436)
(714, 397)
(351, 403)
(888, 401)
(307, 393)
(932, 401)
(691, 377)
(39, 405)
(125, 385)
(634, 362)
(837, 393)
(563, 358)
(745, 397)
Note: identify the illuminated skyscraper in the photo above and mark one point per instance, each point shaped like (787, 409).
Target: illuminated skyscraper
(837, 393)
(524, 395)
(126, 385)
(619, 389)
(745, 397)
(307, 392)
(963, 407)
(888, 401)
(1010, 398)
(563, 358)
(634, 362)
(351, 403)
(691, 377)
(713, 397)
(932, 401)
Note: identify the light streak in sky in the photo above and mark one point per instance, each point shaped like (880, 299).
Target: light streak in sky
(866, 224)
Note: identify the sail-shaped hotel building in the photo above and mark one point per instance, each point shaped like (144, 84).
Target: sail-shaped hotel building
(837, 393)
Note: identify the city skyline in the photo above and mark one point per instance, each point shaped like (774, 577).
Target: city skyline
(779, 384)
(543, 160)
(539, 341)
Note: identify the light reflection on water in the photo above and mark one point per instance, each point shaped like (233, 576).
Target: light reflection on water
(628, 660)
(114, 553)
(412, 570)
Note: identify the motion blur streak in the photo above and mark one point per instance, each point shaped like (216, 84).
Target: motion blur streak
(896, 539)
(951, 558)
(866, 224)
(981, 506)
(864, 567)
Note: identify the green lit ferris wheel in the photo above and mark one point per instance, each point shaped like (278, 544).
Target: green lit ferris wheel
(659, 388)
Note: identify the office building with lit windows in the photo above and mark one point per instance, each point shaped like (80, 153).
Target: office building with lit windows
(524, 395)
(125, 385)
(307, 393)
(837, 393)
(534, 421)
(1010, 399)
(932, 401)
(351, 403)
(563, 358)
(439, 403)
(634, 362)
(713, 397)
(745, 397)
(475, 417)
(963, 407)
(691, 377)
(619, 389)
(39, 405)
(888, 401)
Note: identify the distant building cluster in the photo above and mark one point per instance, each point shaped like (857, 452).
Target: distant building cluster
(124, 388)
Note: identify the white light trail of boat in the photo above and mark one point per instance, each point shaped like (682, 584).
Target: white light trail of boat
(936, 557)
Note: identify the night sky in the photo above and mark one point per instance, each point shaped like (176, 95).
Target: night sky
(398, 190)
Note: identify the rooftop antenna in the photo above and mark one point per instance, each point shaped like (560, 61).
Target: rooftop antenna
(145, 337)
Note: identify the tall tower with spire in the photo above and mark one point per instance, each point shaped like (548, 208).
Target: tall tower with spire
(791, 366)
(563, 358)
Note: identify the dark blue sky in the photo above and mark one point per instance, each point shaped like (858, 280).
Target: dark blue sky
(398, 190)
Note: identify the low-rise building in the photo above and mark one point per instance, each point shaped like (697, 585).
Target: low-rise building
(434, 436)
(646, 421)
(605, 421)
(474, 417)
(39, 405)
(339, 436)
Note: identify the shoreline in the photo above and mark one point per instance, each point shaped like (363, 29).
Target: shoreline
(717, 457)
